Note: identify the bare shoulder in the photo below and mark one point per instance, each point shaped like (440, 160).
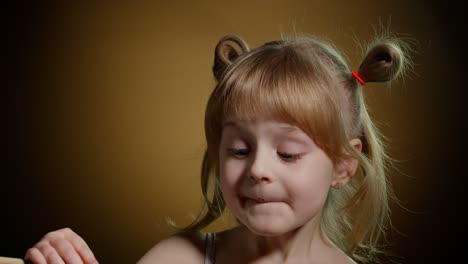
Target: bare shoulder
(344, 259)
(181, 248)
(349, 260)
(333, 255)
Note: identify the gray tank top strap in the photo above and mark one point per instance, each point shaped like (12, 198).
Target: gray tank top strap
(210, 248)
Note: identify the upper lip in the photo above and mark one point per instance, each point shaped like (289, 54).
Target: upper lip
(261, 196)
(262, 200)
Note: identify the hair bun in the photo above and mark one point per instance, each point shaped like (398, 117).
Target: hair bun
(383, 62)
(229, 48)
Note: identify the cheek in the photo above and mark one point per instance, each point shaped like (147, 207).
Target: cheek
(229, 178)
(230, 175)
(311, 190)
(231, 171)
(316, 181)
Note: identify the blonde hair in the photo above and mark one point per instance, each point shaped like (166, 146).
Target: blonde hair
(306, 82)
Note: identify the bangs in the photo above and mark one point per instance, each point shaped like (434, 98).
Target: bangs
(266, 89)
(278, 83)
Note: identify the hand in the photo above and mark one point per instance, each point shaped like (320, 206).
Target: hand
(60, 247)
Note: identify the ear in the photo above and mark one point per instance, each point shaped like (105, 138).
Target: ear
(229, 48)
(347, 167)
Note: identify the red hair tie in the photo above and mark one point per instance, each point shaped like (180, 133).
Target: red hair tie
(356, 75)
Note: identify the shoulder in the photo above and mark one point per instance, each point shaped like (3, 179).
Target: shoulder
(333, 254)
(179, 248)
(342, 258)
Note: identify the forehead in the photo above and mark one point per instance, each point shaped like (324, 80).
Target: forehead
(261, 125)
(265, 131)
(251, 123)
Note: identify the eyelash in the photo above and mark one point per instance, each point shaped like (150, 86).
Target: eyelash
(287, 157)
(238, 152)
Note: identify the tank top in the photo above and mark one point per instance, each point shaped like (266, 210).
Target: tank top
(210, 248)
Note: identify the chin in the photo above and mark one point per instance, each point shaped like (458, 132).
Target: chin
(268, 229)
(266, 233)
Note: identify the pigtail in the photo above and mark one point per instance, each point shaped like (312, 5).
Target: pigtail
(229, 48)
(385, 59)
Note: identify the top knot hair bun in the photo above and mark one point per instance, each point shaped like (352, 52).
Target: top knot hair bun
(384, 61)
(229, 48)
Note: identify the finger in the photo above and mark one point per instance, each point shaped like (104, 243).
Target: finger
(80, 246)
(66, 251)
(54, 258)
(50, 254)
(35, 256)
(84, 251)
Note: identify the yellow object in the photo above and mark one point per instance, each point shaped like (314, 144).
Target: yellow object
(4, 260)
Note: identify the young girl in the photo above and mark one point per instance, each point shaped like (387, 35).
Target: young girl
(292, 153)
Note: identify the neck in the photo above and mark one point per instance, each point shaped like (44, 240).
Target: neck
(304, 242)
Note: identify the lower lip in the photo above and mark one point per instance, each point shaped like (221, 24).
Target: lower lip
(248, 201)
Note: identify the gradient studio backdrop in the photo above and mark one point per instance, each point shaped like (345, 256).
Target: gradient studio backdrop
(106, 107)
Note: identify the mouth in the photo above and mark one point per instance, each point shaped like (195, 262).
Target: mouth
(257, 200)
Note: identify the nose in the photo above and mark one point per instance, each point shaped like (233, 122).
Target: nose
(260, 168)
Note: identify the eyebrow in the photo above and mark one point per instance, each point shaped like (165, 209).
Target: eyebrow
(285, 127)
(229, 123)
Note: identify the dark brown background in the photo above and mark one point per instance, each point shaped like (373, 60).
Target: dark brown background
(104, 108)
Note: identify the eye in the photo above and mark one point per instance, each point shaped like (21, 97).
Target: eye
(288, 157)
(238, 152)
